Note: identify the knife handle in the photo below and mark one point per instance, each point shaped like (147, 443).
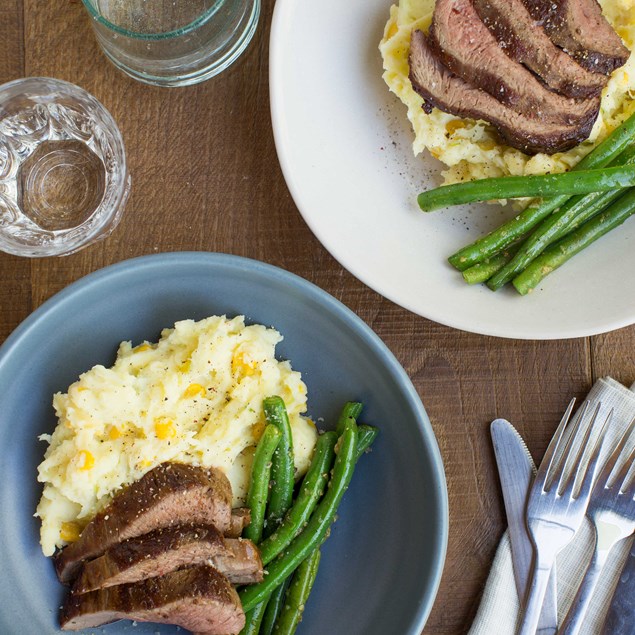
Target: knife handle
(620, 620)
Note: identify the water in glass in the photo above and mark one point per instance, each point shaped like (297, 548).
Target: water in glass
(63, 178)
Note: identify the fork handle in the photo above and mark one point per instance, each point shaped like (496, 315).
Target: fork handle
(575, 617)
(536, 595)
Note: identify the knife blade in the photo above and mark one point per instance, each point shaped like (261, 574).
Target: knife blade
(516, 471)
(620, 619)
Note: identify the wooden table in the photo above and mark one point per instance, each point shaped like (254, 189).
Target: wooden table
(206, 177)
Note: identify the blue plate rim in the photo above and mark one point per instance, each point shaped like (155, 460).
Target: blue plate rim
(293, 280)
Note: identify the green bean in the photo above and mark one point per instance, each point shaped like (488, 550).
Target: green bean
(316, 529)
(533, 186)
(274, 605)
(259, 486)
(365, 437)
(507, 233)
(282, 468)
(253, 619)
(571, 215)
(483, 271)
(558, 253)
(297, 595)
(311, 490)
(351, 410)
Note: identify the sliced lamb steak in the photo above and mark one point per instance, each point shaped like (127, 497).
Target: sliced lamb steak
(524, 41)
(198, 599)
(468, 49)
(580, 28)
(167, 549)
(170, 493)
(440, 88)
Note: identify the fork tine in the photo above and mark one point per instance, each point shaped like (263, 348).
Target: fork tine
(550, 454)
(565, 480)
(626, 474)
(592, 465)
(609, 466)
(630, 475)
(630, 478)
(622, 474)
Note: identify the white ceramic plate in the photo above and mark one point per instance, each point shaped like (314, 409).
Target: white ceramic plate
(344, 144)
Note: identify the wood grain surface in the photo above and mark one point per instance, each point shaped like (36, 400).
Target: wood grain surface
(206, 177)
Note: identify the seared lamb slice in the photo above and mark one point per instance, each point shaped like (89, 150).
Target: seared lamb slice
(150, 555)
(242, 563)
(468, 49)
(168, 549)
(198, 599)
(440, 88)
(580, 28)
(524, 41)
(240, 518)
(171, 493)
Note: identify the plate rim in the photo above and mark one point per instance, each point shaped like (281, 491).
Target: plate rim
(21, 333)
(502, 329)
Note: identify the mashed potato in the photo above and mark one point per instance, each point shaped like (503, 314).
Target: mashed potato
(472, 149)
(193, 397)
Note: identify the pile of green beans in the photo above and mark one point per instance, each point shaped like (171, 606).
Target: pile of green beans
(577, 208)
(289, 532)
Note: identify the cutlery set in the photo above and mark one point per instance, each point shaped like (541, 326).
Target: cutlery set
(545, 512)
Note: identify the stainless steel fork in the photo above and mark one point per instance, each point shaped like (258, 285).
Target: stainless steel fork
(556, 505)
(612, 512)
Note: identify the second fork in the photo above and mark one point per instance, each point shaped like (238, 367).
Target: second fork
(612, 512)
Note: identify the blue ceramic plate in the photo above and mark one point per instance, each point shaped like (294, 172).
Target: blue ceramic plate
(382, 564)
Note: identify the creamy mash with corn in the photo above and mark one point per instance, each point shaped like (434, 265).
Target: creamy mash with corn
(472, 149)
(194, 397)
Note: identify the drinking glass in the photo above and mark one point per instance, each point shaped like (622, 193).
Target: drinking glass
(63, 176)
(173, 42)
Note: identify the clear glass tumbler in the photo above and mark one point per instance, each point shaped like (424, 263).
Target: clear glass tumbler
(173, 42)
(63, 176)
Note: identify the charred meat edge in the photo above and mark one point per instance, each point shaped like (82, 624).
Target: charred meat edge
(164, 550)
(240, 518)
(197, 598)
(468, 49)
(580, 28)
(524, 41)
(443, 90)
(242, 563)
(167, 494)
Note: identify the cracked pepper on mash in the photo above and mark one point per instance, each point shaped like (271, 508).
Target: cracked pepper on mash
(195, 397)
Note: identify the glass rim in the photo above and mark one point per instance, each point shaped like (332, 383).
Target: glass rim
(188, 28)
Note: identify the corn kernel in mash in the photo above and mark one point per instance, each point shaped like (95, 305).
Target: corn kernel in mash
(194, 397)
(472, 149)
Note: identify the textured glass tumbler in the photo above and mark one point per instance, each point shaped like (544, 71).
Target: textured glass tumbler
(63, 176)
(173, 42)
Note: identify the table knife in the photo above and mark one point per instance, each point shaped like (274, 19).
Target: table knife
(517, 472)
